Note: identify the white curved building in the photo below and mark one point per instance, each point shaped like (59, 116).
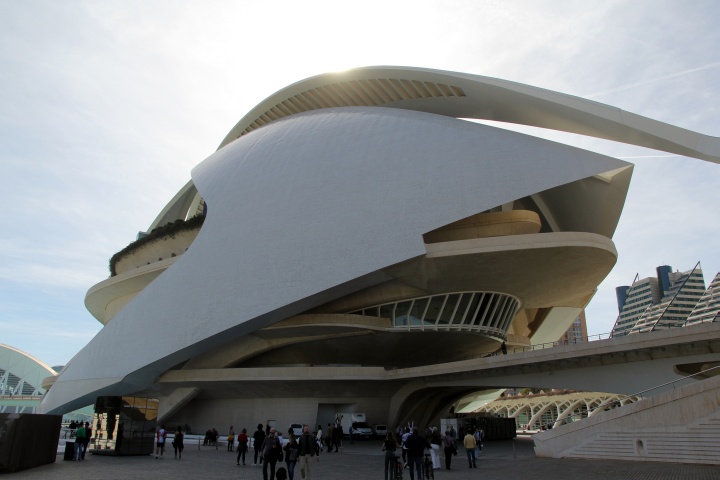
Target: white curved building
(356, 233)
(21, 380)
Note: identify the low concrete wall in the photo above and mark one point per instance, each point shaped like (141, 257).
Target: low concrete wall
(203, 413)
(27, 440)
(679, 426)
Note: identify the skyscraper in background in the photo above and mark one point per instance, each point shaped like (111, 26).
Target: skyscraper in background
(577, 332)
(633, 301)
(707, 309)
(662, 302)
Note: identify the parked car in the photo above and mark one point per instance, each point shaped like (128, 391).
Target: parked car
(362, 429)
(380, 430)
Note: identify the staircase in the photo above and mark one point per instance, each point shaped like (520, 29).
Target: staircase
(679, 426)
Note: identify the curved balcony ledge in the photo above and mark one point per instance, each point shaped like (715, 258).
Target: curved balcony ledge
(344, 338)
(483, 225)
(106, 298)
(331, 323)
(167, 246)
(543, 270)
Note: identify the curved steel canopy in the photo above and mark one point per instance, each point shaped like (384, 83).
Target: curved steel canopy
(463, 95)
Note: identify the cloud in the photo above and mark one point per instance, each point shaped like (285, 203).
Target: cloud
(48, 276)
(107, 106)
(653, 80)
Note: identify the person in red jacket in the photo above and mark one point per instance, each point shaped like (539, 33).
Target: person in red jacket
(242, 446)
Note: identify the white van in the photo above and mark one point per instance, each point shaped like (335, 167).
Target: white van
(361, 430)
(296, 429)
(380, 430)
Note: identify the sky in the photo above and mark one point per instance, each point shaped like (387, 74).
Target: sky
(106, 106)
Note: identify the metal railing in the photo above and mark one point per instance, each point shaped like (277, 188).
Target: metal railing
(188, 439)
(561, 343)
(611, 404)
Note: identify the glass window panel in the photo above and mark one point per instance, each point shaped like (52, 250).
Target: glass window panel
(433, 311)
(475, 313)
(386, 311)
(493, 311)
(472, 309)
(371, 312)
(401, 313)
(449, 309)
(417, 311)
(512, 310)
(505, 313)
(462, 308)
(483, 316)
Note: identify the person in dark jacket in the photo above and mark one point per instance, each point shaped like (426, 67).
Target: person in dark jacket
(306, 452)
(292, 453)
(389, 446)
(258, 439)
(416, 446)
(179, 443)
(86, 440)
(449, 444)
(337, 436)
(271, 452)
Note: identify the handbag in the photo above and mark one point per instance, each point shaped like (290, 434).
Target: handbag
(293, 454)
(454, 447)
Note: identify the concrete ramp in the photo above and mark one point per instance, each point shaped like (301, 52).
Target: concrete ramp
(678, 426)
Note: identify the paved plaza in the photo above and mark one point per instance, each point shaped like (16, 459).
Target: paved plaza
(500, 460)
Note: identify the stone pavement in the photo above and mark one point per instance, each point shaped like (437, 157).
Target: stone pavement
(500, 460)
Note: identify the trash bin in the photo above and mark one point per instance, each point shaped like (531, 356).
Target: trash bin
(69, 451)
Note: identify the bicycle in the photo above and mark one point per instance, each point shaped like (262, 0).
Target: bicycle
(428, 471)
(398, 468)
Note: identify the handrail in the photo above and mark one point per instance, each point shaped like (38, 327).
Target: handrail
(68, 433)
(558, 343)
(543, 346)
(20, 397)
(604, 405)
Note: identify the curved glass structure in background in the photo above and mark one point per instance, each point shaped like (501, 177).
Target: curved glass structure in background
(21, 374)
(21, 377)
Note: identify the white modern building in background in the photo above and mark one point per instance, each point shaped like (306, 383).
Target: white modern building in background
(633, 302)
(23, 382)
(351, 233)
(21, 373)
(677, 302)
(669, 300)
(707, 309)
